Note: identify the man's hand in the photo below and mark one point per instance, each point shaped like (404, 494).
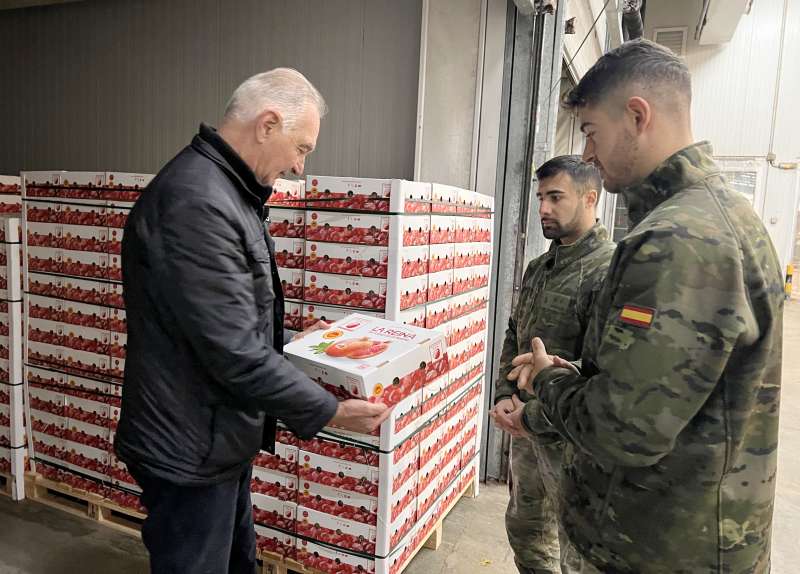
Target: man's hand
(501, 414)
(518, 429)
(527, 366)
(359, 416)
(318, 326)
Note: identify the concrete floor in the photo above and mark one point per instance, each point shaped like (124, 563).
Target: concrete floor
(35, 539)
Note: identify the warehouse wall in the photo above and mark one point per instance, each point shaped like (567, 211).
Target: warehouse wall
(755, 76)
(123, 84)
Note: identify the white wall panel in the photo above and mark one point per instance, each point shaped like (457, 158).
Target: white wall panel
(787, 128)
(734, 84)
(448, 101)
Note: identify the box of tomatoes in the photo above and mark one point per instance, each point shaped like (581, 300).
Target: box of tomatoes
(366, 357)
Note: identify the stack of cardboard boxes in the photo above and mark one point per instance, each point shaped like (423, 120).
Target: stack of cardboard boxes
(75, 325)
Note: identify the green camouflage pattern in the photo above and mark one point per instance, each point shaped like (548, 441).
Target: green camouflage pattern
(558, 291)
(532, 515)
(672, 429)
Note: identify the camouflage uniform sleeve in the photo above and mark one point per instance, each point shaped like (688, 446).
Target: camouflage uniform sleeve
(505, 389)
(645, 383)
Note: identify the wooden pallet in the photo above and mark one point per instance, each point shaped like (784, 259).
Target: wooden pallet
(277, 564)
(85, 504)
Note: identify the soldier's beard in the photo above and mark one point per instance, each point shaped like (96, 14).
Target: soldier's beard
(618, 169)
(557, 230)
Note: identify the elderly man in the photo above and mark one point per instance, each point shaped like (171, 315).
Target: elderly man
(205, 379)
(672, 421)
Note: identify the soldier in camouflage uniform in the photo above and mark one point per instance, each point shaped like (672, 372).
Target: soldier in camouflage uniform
(557, 294)
(672, 421)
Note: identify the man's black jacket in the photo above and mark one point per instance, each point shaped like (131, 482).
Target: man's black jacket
(204, 376)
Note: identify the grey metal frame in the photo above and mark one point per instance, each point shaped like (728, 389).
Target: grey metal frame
(532, 71)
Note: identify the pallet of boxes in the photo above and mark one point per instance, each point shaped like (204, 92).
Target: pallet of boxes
(13, 450)
(75, 335)
(412, 261)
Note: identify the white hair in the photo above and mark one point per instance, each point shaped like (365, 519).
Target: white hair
(283, 90)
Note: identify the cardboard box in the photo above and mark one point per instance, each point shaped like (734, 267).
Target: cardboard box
(288, 193)
(275, 541)
(44, 259)
(10, 185)
(470, 254)
(83, 264)
(442, 257)
(466, 326)
(95, 341)
(42, 212)
(393, 195)
(115, 218)
(286, 223)
(88, 434)
(414, 316)
(81, 238)
(123, 187)
(440, 285)
(37, 184)
(468, 302)
(291, 282)
(83, 186)
(269, 511)
(73, 312)
(293, 316)
(393, 231)
(444, 198)
(403, 421)
(394, 351)
(443, 229)
(313, 312)
(289, 253)
(43, 235)
(347, 259)
(360, 292)
(78, 290)
(406, 294)
(274, 483)
(414, 261)
(284, 459)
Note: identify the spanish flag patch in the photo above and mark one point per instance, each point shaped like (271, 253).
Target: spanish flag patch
(637, 316)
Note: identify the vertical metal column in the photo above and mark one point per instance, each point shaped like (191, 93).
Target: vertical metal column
(532, 70)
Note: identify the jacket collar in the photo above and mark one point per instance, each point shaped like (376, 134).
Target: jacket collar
(210, 143)
(565, 255)
(683, 169)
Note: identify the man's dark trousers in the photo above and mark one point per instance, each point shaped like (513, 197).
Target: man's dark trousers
(198, 529)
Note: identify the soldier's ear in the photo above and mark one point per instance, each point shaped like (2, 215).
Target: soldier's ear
(590, 198)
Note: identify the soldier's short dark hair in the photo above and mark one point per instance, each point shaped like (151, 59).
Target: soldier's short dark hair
(585, 175)
(650, 65)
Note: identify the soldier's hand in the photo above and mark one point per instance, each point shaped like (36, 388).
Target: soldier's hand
(501, 414)
(319, 325)
(518, 429)
(564, 364)
(359, 416)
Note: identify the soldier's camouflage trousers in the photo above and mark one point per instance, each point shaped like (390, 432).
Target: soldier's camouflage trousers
(532, 514)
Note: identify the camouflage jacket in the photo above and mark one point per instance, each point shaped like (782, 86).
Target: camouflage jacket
(673, 422)
(558, 291)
